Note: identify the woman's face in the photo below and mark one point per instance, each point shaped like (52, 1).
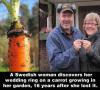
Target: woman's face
(90, 27)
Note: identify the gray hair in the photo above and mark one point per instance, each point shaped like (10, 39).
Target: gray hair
(93, 16)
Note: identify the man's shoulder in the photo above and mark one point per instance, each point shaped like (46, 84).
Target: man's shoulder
(54, 32)
(76, 29)
(78, 33)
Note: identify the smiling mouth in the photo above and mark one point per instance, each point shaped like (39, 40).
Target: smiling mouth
(66, 24)
(89, 30)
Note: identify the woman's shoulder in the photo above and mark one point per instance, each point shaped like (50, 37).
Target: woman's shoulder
(98, 35)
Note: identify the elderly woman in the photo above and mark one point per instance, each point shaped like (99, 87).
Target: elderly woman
(90, 51)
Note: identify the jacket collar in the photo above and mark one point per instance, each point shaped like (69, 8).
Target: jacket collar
(63, 32)
(93, 37)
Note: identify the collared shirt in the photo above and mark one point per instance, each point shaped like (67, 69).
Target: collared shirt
(62, 55)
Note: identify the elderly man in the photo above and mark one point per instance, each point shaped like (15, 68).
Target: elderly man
(63, 42)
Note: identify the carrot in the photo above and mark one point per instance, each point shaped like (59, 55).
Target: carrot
(19, 54)
(19, 48)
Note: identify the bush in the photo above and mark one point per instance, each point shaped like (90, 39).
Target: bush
(3, 53)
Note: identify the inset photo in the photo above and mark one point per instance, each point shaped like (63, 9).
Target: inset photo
(19, 25)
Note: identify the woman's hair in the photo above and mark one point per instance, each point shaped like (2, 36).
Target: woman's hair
(92, 17)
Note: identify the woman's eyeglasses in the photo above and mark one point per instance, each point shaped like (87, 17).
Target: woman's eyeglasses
(91, 24)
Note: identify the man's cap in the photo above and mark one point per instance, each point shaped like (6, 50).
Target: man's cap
(66, 7)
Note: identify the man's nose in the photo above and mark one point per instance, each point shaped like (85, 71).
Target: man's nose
(67, 18)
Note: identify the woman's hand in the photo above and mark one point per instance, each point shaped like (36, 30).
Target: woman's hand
(87, 45)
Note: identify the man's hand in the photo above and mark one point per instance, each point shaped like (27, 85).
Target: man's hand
(77, 44)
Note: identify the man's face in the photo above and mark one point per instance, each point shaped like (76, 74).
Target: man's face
(66, 19)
